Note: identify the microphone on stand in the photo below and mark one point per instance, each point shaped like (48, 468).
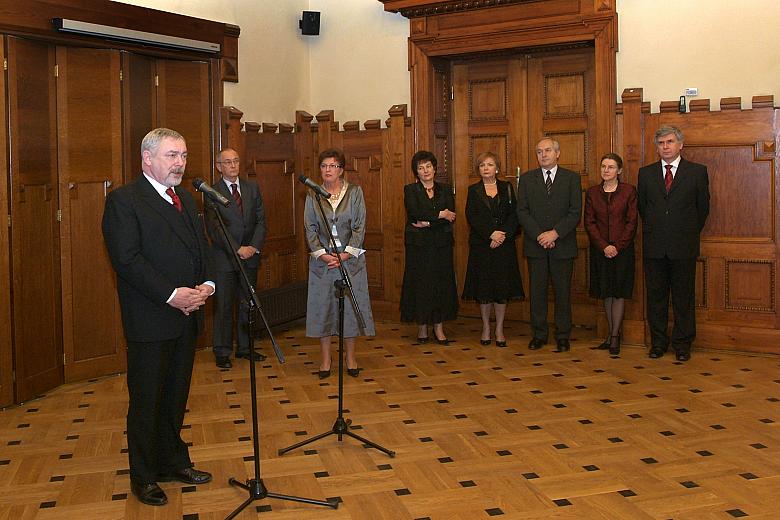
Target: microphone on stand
(210, 192)
(319, 190)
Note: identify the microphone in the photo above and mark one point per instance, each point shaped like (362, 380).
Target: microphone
(319, 190)
(210, 192)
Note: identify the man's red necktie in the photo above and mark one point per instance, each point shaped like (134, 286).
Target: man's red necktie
(668, 177)
(175, 198)
(237, 197)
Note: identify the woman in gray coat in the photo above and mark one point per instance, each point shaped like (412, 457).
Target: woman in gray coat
(345, 212)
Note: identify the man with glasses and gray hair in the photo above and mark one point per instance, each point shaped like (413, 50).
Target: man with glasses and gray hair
(245, 222)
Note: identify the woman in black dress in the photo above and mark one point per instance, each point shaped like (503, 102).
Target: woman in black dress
(493, 274)
(429, 295)
(610, 221)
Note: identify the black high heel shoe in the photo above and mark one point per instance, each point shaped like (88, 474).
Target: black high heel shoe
(485, 342)
(423, 340)
(603, 346)
(614, 346)
(444, 341)
(501, 343)
(324, 374)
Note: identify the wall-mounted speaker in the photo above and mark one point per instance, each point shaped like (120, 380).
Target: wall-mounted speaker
(310, 23)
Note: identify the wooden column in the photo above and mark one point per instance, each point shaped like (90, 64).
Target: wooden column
(634, 330)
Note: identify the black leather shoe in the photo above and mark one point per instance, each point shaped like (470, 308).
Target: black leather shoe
(603, 346)
(485, 341)
(150, 494)
(501, 343)
(536, 343)
(422, 340)
(353, 372)
(259, 356)
(683, 355)
(186, 475)
(324, 374)
(224, 362)
(656, 353)
(562, 345)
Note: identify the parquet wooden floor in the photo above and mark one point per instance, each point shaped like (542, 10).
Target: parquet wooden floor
(479, 432)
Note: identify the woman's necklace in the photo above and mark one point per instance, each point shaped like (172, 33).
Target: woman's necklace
(490, 183)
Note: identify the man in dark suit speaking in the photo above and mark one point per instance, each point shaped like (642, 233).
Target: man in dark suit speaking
(245, 222)
(549, 206)
(158, 249)
(674, 201)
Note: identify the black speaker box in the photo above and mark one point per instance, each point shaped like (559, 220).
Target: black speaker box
(310, 23)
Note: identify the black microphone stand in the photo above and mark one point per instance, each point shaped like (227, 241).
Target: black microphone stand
(341, 426)
(255, 486)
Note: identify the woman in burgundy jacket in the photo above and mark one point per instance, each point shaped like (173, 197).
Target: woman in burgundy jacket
(610, 221)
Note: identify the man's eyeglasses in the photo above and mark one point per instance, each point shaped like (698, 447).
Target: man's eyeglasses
(332, 166)
(234, 162)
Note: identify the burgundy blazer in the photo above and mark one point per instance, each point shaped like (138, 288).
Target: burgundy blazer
(613, 220)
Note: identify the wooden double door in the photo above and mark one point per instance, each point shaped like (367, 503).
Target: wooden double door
(75, 117)
(506, 104)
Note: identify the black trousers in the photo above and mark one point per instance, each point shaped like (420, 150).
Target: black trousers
(540, 271)
(678, 277)
(231, 294)
(158, 381)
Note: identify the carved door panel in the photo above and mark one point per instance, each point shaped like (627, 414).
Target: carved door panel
(90, 163)
(35, 236)
(6, 363)
(505, 105)
(560, 92)
(184, 105)
(489, 114)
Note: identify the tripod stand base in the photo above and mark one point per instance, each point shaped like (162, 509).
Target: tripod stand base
(340, 428)
(258, 491)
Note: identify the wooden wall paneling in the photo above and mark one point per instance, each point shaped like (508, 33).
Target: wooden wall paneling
(184, 104)
(90, 153)
(305, 144)
(139, 109)
(363, 152)
(271, 164)
(6, 350)
(35, 252)
(736, 291)
(631, 149)
(397, 150)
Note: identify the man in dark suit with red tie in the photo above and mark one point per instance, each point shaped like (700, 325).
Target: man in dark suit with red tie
(158, 249)
(549, 206)
(674, 201)
(245, 222)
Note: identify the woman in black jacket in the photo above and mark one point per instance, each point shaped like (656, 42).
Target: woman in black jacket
(429, 295)
(493, 274)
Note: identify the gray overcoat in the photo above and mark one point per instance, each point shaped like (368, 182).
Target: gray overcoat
(322, 302)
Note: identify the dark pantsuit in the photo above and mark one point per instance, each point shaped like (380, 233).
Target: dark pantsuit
(679, 276)
(540, 271)
(158, 382)
(231, 289)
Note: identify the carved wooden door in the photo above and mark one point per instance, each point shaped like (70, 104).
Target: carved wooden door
(6, 344)
(89, 115)
(35, 253)
(505, 105)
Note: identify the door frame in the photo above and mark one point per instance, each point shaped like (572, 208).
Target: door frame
(461, 29)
